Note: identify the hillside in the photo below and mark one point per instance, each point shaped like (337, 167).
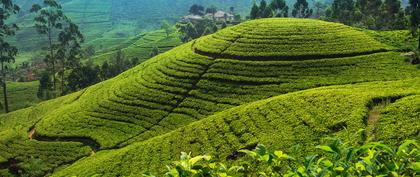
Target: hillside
(106, 23)
(141, 46)
(187, 100)
(21, 95)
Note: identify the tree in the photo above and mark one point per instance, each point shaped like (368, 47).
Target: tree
(69, 50)
(254, 11)
(414, 11)
(343, 11)
(167, 27)
(196, 10)
(392, 15)
(301, 9)
(82, 77)
(154, 52)
(7, 51)
(371, 11)
(237, 17)
(48, 19)
(264, 10)
(105, 72)
(190, 31)
(279, 8)
(320, 8)
(45, 86)
(211, 10)
(232, 10)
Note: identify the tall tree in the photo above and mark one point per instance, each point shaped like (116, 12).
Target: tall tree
(301, 9)
(69, 50)
(279, 8)
(154, 52)
(196, 9)
(49, 18)
(392, 15)
(320, 7)
(371, 11)
(211, 10)
(414, 11)
(7, 51)
(254, 11)
(343, 11)
(264, 10)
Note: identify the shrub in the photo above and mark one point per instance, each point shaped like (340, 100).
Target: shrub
(334, 159)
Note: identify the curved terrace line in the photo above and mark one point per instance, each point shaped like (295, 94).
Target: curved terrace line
(285, 58)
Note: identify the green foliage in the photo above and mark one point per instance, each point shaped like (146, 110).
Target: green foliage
(301, 9)
(288, 39)
(141, 46)
(193, 30)
(167, 27)
(276, 8)
(216, 104)
(336, 159)
(7, 51)
(22, 94)
(281, 122)
(400, 39)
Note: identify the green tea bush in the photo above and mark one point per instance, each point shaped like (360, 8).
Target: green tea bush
(288, 39)
(334, 159)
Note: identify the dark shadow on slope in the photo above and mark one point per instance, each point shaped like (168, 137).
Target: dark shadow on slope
(286, 58)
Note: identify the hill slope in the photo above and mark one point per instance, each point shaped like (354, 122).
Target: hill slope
(303, 118)
(109, 22)
(253, 61)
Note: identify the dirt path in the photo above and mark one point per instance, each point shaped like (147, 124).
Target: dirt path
(372, 122)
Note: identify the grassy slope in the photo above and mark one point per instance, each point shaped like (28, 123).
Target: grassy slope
(142, 46)
(15, 144)
(303, 118)
(21, 94)
(181, 86)
(107, 23)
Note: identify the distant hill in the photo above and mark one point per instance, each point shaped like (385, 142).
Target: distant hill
(109, 22)
(276, 81)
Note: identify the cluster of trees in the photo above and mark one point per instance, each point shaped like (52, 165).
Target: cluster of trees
(7, 51)
(279, 8)
(87, 74)
(372, 14)
(195, 29)
(64, 71)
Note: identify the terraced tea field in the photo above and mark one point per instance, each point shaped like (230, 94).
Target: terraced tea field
(274, 81)
(21, 95)
(140, 46)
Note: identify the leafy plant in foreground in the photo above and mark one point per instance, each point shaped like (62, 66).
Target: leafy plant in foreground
(334, 159)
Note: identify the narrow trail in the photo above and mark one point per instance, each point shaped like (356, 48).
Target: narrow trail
(372, 122)
(374, 115)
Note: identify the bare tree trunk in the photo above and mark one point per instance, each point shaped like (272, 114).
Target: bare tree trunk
(62, 79)
(6, 103)
(419, 41)
(52, 59)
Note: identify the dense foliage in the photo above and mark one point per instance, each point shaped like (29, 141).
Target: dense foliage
(283, 38)
(207, 102)
(335, 159)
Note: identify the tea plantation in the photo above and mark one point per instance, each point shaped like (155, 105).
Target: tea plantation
(278, 82)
